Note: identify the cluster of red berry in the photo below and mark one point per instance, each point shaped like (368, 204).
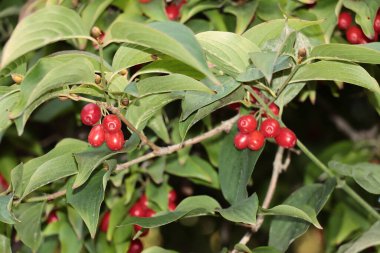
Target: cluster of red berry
(109, 131)
(251, 137)
(354, 33)
(172, 9)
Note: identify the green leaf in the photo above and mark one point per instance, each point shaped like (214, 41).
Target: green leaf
(116, 216)
(189, 207)
(175, 40)
(156, 170)
(284, 230)
(29, 227)
(265, 249)
(235, 96)
(156, 249)
(88, 198)
(244, 14)
(69, 242)
(235, 169)
(228, 51)
(344, 52)
(145, 108)
(368, 239)
(336, 71)
(158, 126)
(266, 31)
(6, 103)
(6, 215)
(168, 83)
(264, 61)
(48, 25)
(129, 55)
(157, 194)
(242, 211)
(194, 100)
(367, 175)
(303, 212)
(155, 10)
(189, 10)
(49, 74)
(5, 244)
(92, 12)
(242, 248)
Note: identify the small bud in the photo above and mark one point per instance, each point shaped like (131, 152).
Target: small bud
(123, 72)
(98, 79)
(125, 101)
(17, 78)
(302, 52)
(96, 32)
(154, 57)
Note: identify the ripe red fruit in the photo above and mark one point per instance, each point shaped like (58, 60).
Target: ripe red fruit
(355, 35)
(143, 201)
(105, 222)
(172, 12)
(247, 124)
(241, 141)
(149, 213)
(172, 206)
(270, 128)
(137, 210)
(52, 217)
(90, 114)
(286, 138)
(138, 228)
(256, 140)
(111, 123)
(376, 23)
(115, 141)
(172, 196)
(97, 136)
(344, 20)
(136, 246)
(234, 106)
(145, 1)
(3, 182)
(274, 108)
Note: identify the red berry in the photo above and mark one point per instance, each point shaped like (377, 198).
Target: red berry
(137, 210)
(344, 20)
(138, 228)
(149, 213)
(355, 35)
(270, 128)
(247, 124)
(234, 106)
(90, 114)
(256, 140)
(111, 123)
(96, 136)
(274, 108)
(172, 12)
(136, 246)
(172, 206)
(376, 23)
(3, 182)
(52, 217)
(143, 201)
(241, 141)
(286, 138)
(105, 222)
(145, 1)
(115, 141)
(172, 196)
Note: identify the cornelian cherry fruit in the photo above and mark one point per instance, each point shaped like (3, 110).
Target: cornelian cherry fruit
(52, 217)
(172, 12)
(90, 114)
(241, 141)
(270, 128)
(256, 140)
(3, 182)
(111, 123)
(376, 23)
(172, 206)
(136, 246)
(344, 20)
(97, 136)
(172, 196)
(286, 138)
(355, 35)
(115, 141)
(247, 124)
(105, 222)
(145, 1)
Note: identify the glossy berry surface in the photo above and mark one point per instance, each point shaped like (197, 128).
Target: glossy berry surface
(355, 35)
(274, 108)
(149, 213)
(136, 246)
(97, 136)
(52, 217)
(111, 123)
(256, 140)
(286, 138)
(344, 20)
(3, 182)
(105, 222)
(115, 141)
(247, 124)
(90, 114)
(241, 141)
(172, 206)
(270, 128)
(376, 23)
(138, 228)
(143, 201)
(172, 12)
(137, 210)
(172, 196)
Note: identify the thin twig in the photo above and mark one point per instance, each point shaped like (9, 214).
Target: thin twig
(224, 127)
(278, 166)
(47, 197)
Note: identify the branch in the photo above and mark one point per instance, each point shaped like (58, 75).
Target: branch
(47, 197)
(224, 127)
(278, 167)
